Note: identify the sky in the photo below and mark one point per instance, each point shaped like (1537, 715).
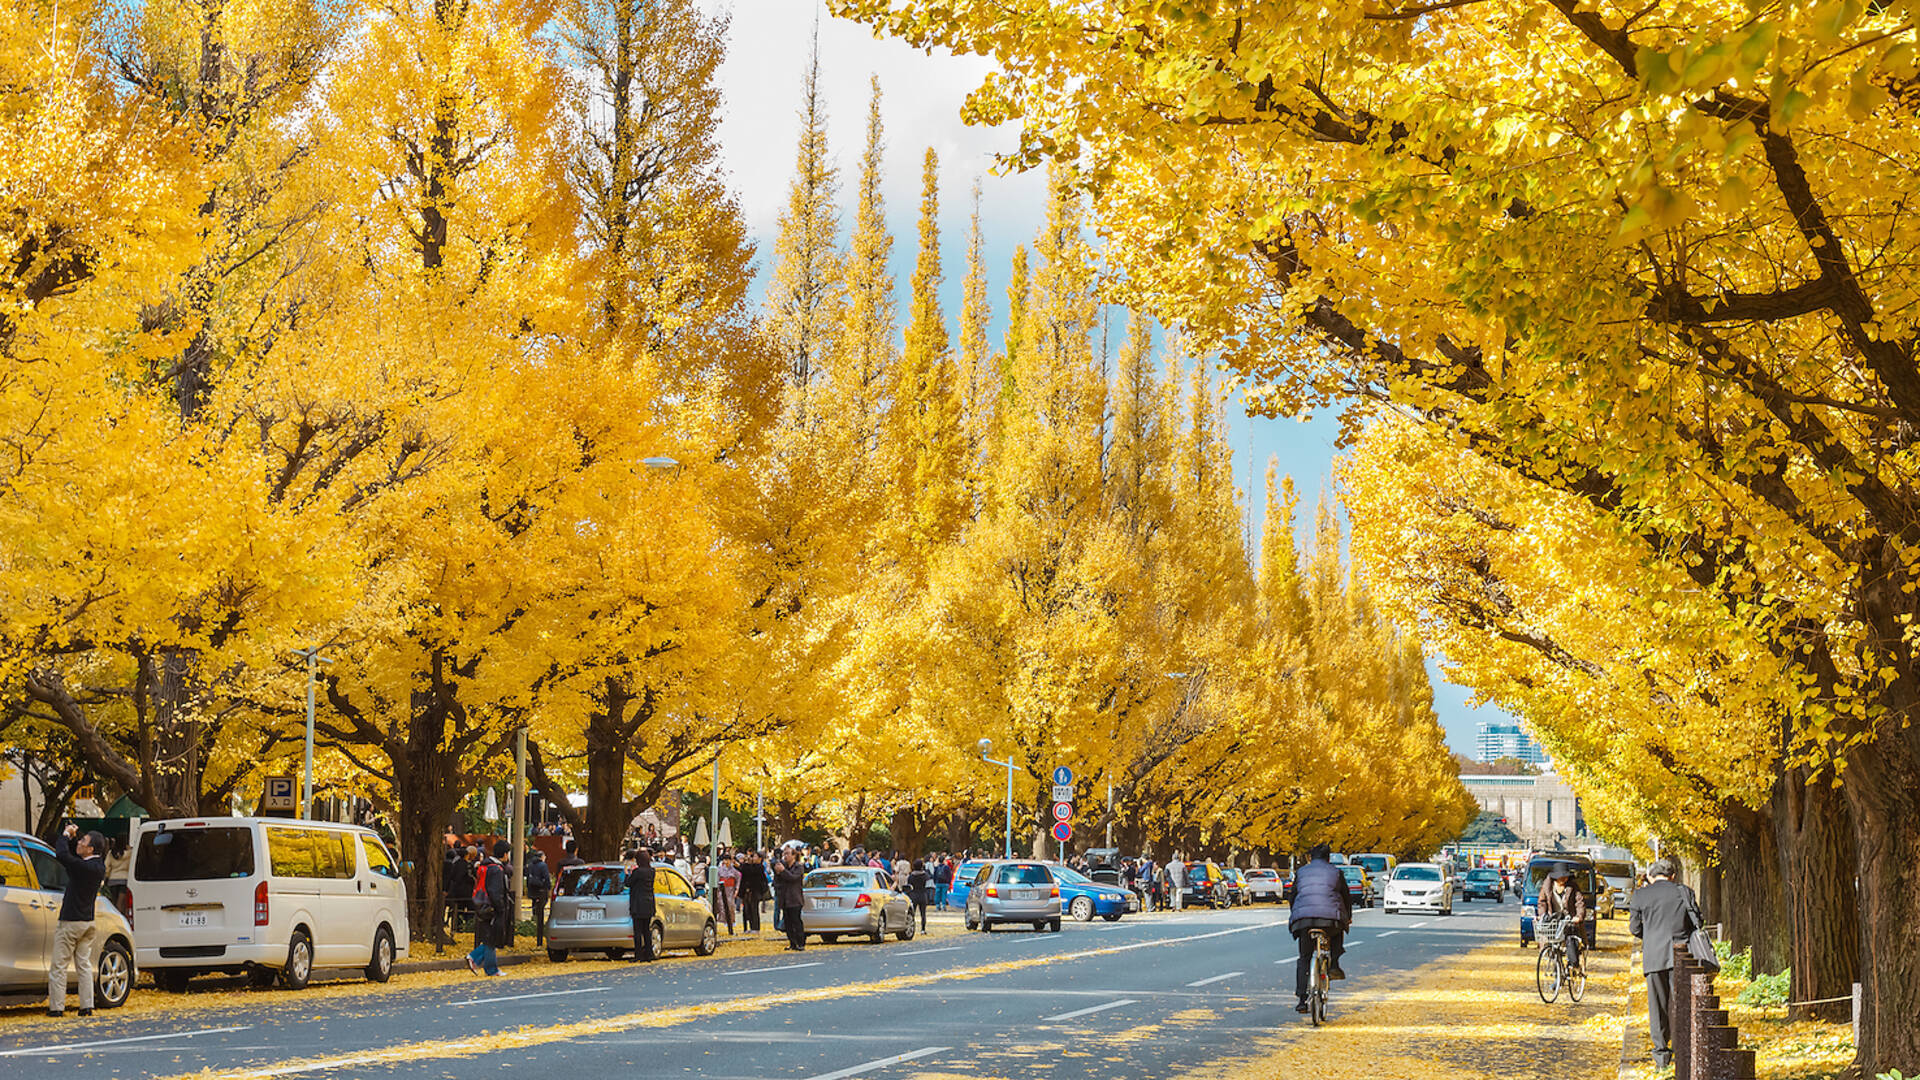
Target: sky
(921, 100)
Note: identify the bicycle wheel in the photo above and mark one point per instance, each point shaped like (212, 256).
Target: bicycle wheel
(1317, 991)
(1547, 972)
(1576, 981)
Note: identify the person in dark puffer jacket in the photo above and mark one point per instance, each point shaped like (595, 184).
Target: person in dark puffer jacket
(1320, 902)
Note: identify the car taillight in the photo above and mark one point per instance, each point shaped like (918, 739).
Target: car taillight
(260, 904)
(993, 890)
(1056, 892)
(863, 901)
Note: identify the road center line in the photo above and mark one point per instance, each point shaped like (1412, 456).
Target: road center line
(1217, 978)
(523, 997)
(471, 1045)
(1091, 1009)
(896, 1059)
(925, 952)
(783, 967)
(67, 1048)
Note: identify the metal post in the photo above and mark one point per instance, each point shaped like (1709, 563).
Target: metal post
(1009, 844)
(517, 814)
(313, 657)
(713, 841)
(1109, 815)
(759, 817)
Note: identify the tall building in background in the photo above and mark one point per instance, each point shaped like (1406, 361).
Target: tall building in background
(1510, 741)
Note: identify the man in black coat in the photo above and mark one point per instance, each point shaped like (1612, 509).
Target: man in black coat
(640, 904)
(539, 891)
(753, 890)
(75, 936)
(1320, 902)
(790, 896)
(1662, 913)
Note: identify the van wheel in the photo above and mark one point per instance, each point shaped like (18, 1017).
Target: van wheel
(380, 964)
(113, 979)
(1054, 926)
(172, 980)
(558, 956)
(299, 967)
(709, 940)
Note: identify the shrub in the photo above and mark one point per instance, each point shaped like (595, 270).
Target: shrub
(1734, 965)
(1766, 990)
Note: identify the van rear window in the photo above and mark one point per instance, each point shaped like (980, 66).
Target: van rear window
(194, 855)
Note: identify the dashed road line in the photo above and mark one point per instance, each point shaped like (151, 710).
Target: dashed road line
(69, 1048)
(1090, 1010)
(914, 1055)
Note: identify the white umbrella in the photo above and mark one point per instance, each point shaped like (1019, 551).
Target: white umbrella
(700, 834)
(492, 812)
(794, 844)
(726, 832)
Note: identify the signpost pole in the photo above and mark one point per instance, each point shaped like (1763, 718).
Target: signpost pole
(1009, 844)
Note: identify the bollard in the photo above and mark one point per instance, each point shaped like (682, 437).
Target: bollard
(1740, 1065)
(1681, 1013)
(1707, 1015)
(1722, 1042)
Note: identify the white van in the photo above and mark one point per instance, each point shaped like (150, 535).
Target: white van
(270, 896)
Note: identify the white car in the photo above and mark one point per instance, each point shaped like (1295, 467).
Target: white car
(273, 897)
(32, 883)
(1264, 883)
(1419, 887)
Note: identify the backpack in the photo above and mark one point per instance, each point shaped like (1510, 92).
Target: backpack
(482, 900)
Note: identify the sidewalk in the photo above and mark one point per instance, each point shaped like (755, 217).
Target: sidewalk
(1472, 1016)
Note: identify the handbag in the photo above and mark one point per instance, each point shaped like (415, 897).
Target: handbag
(1700, 947)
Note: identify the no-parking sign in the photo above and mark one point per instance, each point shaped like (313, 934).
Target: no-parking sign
(1062, 831)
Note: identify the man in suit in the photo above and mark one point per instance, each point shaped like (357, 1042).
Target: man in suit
(1662, 912)
(640, 903)
(790, 894)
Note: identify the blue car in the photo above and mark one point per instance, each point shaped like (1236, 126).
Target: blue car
(1083, 898)
(1536, 875)
(963, 881)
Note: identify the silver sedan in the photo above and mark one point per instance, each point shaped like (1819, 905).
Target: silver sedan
(855, 900)
(590, 912)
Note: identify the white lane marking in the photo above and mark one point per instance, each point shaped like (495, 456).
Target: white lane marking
(1218, 978)
(317, 1066)
(896, 1059)
(1389, 933)
(1288, 960)
(68, 1048)
(925, 952)
(523, 997)
(1091, 1009)
(784, 967)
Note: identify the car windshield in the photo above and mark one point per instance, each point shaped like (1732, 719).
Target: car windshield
(1071, 877)
(1537, 875)
(1484, 875)
(1615, 871)
(1263, 874)
(1352, 872)
(1375, 863)
(839, 879)
(593, 881)
(194, 855)
(1025, 875)
(1416, 873)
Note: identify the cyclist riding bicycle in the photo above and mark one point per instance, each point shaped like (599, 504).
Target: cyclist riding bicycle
(1320, 902)
(1564, 899)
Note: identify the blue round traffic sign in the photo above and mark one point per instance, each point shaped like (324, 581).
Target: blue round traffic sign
(1062, 775)
(1062, 831)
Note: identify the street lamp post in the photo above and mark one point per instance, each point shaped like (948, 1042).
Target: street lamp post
(986, 747)
(313, 658)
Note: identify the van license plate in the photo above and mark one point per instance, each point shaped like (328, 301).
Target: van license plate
(592, 914)
(193, 918)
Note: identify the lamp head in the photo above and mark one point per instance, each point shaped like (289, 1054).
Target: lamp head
(986, 747)
(659, 463)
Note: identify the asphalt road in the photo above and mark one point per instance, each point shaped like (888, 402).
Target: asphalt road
(1141, 998)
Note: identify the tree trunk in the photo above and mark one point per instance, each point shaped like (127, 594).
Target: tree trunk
(606, 817)
(176, 736)
(905, 828)
(959, 832)
(1816, 843)
(425, 793)
(1751, 904)
(1883, 792)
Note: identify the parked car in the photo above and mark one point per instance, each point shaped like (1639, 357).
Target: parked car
(1379, 866)
(32, 885)
(1236, 882)
(1359, 885)
(1603, 899)
(963, 876)
(1535, 875)
(272, 897)
(1083, 897)
(1019, 891)
(1486, 882)
(841, 900)
(1418, 886)
(1206, 884)
(1620, 876)
(590, 913)
(1265, 883)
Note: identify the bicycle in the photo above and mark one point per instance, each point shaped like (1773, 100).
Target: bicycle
(1554, 969)
(1320, 979)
